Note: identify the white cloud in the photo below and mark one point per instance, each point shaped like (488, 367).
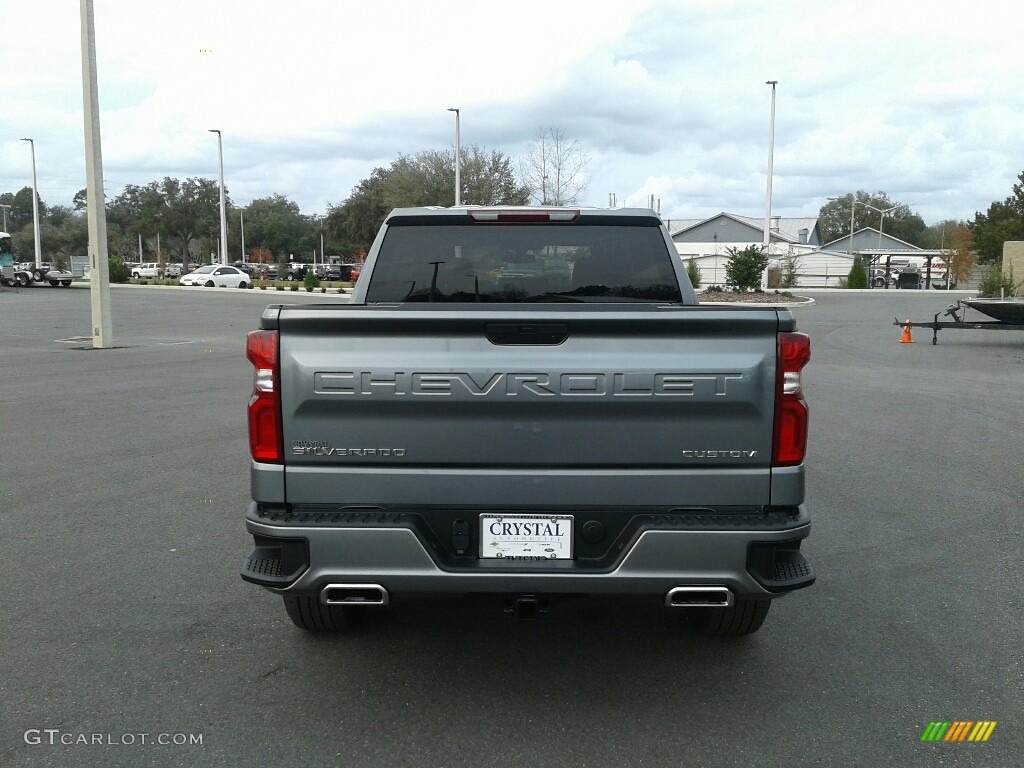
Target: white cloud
(668, 97)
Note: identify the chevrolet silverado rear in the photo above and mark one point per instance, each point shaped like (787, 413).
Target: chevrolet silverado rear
(527, 403)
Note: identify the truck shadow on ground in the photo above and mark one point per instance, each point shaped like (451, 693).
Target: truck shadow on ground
(463, 646)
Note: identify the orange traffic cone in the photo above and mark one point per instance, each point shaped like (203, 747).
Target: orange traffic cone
(906, 338)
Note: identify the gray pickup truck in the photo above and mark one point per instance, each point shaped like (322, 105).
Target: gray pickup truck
(527, 403)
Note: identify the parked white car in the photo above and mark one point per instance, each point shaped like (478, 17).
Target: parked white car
(215, 275)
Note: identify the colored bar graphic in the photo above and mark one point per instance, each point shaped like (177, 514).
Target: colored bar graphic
(982, 730)
(959, 730)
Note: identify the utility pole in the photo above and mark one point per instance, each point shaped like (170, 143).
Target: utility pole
(99, 271)
(223, 213)
(35, 208)
(768, 194)
(458, 158)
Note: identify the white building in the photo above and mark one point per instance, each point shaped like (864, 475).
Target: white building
(708, 242)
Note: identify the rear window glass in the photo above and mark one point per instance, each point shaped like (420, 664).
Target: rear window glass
(523, 263)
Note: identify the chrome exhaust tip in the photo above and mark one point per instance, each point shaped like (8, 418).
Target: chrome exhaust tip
(354, 594)
(699, 597)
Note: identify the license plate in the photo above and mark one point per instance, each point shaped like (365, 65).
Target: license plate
(526, 537)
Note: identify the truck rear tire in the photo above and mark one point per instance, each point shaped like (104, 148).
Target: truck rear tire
(308, 613)
(24, 279)
(744, 617)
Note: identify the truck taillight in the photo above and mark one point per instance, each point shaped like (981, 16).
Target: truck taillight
(790, 440)
(265, 434)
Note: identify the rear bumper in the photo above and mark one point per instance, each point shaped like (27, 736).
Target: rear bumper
(301, 556)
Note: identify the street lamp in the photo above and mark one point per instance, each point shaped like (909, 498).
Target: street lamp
(323, 253)
(881, 223)
(881, 219)
(6, 208)
(35, 207)
(458, 158)
(223, 214)
(768, 193)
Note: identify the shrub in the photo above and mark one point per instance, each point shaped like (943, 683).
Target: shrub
(858, 277)
(743, 272)
(693, 272)
(280, 287)
(790, 271)
(118, 271)
(996, 283)
(295, 288)
(311, 281)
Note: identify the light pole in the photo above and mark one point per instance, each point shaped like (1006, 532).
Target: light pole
(223, 213)
(35, 207)
(849, 246)
(881, 223)
(99, 272)
(5, 207)
(458, 158)
(768, 193)
(881, 219)
(241, 226)
(323, 253)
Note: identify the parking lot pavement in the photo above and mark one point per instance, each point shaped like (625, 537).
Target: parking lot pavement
(125, 476)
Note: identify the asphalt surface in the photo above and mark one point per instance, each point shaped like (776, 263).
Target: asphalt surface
(123, 480)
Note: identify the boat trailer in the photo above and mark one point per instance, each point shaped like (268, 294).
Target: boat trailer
(954, 311)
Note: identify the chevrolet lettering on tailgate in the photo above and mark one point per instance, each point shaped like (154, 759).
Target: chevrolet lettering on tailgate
(582, 384)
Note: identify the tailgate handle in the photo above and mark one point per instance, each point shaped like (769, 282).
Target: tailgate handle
(527, 333)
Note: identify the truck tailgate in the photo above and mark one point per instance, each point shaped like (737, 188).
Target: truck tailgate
(520, 407)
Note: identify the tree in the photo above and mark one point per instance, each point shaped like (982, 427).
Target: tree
(901, 222)
(191, 210)
(858, 277)
(962, 257)
(693, 272)
(276, 224)
(489, 179)
(427, 178)
(937, 235)
(21, 209)
(1003, 221)
(744, 269)
(554, 169)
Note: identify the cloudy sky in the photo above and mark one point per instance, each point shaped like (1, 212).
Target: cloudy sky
(922, 100)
